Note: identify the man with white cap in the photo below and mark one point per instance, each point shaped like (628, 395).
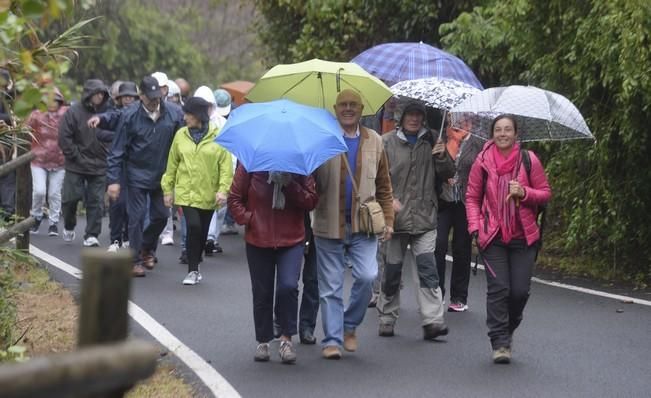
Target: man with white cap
(167, 236)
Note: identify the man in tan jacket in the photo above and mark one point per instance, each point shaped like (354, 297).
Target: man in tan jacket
(336, 225)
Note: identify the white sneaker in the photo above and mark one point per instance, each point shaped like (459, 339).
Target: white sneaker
(68, 236)
(167, 240)
(115, 246)
(91, 241)
(125, 245)
(193, 278)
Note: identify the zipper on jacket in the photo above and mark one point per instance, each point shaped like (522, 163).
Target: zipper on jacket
(486, 221)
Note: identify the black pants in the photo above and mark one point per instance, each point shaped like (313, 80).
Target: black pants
(90, 188)
(118, 219)
(282, 267)
(197, 224)
(508, 276)
(453, 216)
(139, 237)
(310, 300)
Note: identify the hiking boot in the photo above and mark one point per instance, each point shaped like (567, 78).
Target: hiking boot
(36, 226)
(184, 257)
(209, 249)
(53, 230)
(91, 241)
(68, 236)
(457, 306)
(148, 259)
(261, 352)
(350, 341)
(331, 352)
(287, 352)
(113, 247)
(192, 278)
(432, 331)
(502, 355)
(307, 337)
(137, 270)
(385, 330)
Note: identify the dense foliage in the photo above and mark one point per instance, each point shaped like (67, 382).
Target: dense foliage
(295, 30)
(598, 54)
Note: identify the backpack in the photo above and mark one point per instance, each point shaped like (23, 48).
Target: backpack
(540, 217)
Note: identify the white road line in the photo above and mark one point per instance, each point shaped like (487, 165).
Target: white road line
(577, 288)
(215, 382)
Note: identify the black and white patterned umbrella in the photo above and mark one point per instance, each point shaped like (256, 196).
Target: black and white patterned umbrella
(541, 115)
(438, 93)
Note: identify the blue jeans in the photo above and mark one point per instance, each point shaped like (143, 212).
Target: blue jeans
(216, 224)
(331, 269)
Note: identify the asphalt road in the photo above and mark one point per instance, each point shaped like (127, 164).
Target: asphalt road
(570, 344)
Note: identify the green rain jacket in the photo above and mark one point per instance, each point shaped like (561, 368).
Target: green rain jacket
(196, 172)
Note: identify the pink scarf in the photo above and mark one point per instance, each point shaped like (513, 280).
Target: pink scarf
(506, 211)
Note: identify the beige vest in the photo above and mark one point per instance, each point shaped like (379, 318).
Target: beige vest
(329, 218)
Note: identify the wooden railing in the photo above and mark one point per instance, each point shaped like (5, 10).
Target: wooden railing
(20, 230)
(105, 364)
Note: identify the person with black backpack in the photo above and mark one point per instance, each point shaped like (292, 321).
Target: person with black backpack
(502, 201)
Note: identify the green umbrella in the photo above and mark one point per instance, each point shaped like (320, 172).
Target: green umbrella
(317, 83)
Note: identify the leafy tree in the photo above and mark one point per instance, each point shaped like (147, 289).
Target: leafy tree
(133, 40)
(295, 30)
(596, 53)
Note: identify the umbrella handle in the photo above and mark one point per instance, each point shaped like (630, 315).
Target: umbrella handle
(445, 113)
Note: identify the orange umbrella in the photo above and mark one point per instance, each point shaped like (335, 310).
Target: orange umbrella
(238, 89)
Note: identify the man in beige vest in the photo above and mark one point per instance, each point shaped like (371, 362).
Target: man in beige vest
(336, 225)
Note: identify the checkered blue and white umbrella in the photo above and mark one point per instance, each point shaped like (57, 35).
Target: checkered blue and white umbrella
(396, 62)
(438, 93)
(541, 115)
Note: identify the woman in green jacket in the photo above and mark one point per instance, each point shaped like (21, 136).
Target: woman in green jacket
(197, 178)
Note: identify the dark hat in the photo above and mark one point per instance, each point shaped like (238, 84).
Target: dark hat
(150, 88)
(127, 89)
(198, 107)
(413, 107)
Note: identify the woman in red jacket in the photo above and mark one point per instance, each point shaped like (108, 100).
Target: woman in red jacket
(502, 201)
(272, 206)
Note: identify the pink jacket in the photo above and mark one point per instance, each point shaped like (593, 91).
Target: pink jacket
(45, 143)
(481, 208)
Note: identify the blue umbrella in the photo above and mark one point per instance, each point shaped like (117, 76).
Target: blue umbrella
(396, 62)
(282, 136)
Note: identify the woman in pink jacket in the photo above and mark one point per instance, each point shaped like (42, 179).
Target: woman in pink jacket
(502, 204)
(47, 167)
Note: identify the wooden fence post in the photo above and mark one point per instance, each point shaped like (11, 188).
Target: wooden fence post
(106, 282)
(23, 199)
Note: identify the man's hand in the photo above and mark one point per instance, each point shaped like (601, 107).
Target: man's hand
(397, 206)
(220, 198)
(168, 200)
(439, 148)
(388, 232)
(93, 122)
(113, 191)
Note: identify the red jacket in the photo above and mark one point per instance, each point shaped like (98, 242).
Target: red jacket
(481, 207)
(249, 202)
(45, 143)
